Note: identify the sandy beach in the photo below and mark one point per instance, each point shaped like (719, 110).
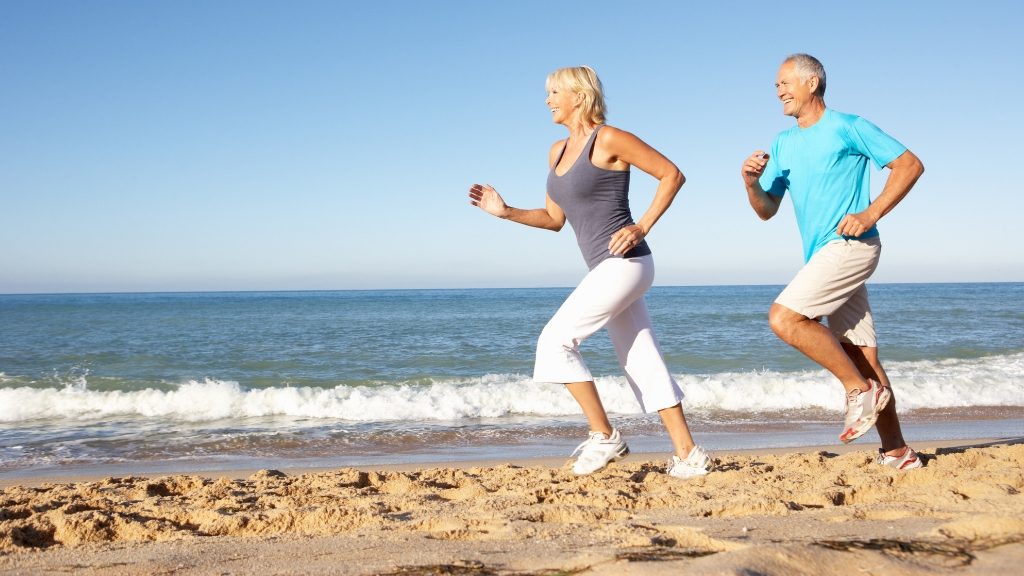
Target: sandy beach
(821, 510)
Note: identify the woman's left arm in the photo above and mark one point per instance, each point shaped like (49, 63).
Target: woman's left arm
(621, 146)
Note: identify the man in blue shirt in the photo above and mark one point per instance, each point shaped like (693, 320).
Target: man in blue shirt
(823, 163)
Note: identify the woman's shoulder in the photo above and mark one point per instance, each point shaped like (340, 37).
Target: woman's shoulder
(612, 134)
(615, 141)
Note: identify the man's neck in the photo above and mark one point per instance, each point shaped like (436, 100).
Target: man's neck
(815, 110)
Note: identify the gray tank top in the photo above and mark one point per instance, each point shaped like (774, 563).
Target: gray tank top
(596, 203)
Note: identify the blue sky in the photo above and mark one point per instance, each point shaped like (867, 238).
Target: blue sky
(151, 146)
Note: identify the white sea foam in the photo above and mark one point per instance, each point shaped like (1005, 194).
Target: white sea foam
(989, 381)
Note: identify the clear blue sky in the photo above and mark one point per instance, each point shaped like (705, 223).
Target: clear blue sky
(149, 146)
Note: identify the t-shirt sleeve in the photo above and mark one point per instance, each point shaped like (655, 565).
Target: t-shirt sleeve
(869, 140)
(771, 180)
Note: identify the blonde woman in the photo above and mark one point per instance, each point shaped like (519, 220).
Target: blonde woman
(588, 185)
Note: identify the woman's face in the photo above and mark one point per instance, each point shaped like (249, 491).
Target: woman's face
(563, 104)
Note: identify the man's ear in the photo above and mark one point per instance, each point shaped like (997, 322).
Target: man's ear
(812, 83)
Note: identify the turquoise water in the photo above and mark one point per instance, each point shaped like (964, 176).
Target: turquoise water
(140, 381)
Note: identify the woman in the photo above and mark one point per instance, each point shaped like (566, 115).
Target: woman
(588, 184)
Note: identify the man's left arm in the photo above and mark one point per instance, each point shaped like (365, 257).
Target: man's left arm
(905, 171)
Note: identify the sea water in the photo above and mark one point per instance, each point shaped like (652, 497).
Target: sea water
(95, 383)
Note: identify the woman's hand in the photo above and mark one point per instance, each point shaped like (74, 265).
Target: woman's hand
(626, 239)
(487, 199)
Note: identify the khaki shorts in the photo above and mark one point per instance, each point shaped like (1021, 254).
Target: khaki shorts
(831, 284)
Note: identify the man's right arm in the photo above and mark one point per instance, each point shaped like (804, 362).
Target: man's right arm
(763, 203)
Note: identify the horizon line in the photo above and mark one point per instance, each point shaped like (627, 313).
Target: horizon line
(107, 292)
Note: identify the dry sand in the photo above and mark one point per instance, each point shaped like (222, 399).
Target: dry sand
(817, 512)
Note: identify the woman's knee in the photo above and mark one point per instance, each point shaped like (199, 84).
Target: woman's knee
(551, 339)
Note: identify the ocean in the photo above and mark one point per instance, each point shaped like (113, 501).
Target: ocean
(124, 383)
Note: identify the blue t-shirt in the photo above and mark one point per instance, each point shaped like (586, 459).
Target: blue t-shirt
(825, 168)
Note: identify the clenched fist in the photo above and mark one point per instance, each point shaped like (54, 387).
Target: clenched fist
(753, 168)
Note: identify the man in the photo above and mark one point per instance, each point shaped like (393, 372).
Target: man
(823, 162)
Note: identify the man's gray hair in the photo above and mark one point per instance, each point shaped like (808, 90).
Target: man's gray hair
(807, 66)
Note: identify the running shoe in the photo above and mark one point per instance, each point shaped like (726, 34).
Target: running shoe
(697, 463)
(905, 461)
(598, 451)
(862, 409)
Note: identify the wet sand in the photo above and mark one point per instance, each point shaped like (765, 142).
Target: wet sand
(816, 510)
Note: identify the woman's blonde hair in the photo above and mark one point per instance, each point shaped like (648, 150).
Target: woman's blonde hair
(581, 79)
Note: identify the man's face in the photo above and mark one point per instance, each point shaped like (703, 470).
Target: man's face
(795, 95)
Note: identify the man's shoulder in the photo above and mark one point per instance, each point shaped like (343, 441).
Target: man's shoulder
(835, 125)
(855, 128)
(844, 120)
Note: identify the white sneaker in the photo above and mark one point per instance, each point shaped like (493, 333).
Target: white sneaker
(862, 410)
(598, 451)
(696, 464)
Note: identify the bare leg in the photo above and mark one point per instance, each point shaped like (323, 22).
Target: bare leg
(818, 343)
(888, 424)
(585, 394)
(675, 422)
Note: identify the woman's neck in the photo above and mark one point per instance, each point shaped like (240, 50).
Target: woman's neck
(578, 129)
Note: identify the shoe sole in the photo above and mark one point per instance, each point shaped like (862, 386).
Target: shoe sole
(616, 458)
(694, 475)
(910, 464)
(852, 434)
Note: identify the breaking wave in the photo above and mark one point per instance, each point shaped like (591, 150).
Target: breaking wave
(988, 381)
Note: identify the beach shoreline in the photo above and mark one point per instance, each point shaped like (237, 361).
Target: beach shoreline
(814, 510)
(551, 462)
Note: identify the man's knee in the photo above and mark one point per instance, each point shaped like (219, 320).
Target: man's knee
(782, 320)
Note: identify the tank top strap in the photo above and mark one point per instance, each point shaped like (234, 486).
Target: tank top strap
(589, 148)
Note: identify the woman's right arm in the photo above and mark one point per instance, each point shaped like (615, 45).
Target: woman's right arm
(487, 198)
(550, 217)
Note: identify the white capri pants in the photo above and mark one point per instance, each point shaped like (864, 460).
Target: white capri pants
(611, 296)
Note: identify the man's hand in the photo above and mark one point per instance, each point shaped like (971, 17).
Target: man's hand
(853, 225)
(487, 199)
(753, 168)
(626, 239)
(764, 204)
(906, 169)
